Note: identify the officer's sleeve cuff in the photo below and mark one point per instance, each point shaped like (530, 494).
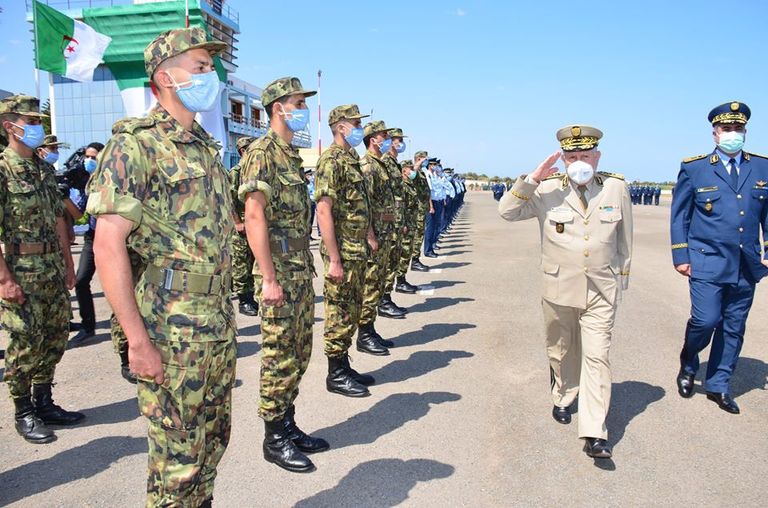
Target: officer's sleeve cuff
(320, 193)
(680, 254)
(108, 202)
(523, 189)
(253, 186)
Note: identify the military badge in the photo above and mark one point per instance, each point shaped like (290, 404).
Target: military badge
(576, 131)
(734, 106)
(708, 206)
(559, 227)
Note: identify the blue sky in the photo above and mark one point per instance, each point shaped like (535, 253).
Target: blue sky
(485, 84)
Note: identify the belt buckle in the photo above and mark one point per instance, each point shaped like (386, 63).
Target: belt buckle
(168, 283)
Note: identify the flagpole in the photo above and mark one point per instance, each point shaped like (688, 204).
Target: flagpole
(37, 71)
(319, 115)
(186, 13)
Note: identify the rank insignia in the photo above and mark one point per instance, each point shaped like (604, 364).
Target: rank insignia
(761, 183)
(734, 106)
(607, 208)
(576, 131)
(559, 227)
(708, 207)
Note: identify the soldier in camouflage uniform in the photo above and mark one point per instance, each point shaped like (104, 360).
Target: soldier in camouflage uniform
(277, 223)
(48, 152)
(382, 200)
(344, 218)
(162, 191)
(387, 307)
(36, 270)
(410, 213)
(242, 257)
(424, 203)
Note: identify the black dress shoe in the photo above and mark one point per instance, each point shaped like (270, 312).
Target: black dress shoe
(73, 327)
(82, 336)
(248, 309)
(419, 266)
(597, 448)
(431, 254)
(725, 402)
(561, 415)
(685, 384)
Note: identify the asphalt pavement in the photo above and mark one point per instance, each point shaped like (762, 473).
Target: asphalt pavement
(460, 413)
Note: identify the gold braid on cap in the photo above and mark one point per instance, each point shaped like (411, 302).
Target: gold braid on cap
(730, 117)
(579, 143)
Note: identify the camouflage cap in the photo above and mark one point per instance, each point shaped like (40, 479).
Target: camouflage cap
(421, 154)
(407, 163)
(374, 127)
(283, 87)
(345, 112)
(244, 141)
(52, 140)
(397, 133)
(175, 42)
(577, 138)
(21, 105)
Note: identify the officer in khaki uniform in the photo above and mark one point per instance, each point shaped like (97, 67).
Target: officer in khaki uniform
(586, 230)
(161, 191)
(344, 218)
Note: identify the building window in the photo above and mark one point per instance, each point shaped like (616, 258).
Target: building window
(237, 111)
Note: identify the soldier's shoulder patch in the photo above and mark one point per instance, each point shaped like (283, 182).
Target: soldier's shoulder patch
(130, 125)
(753, 154)
(695, 158)
(606, 174)
(555, 176)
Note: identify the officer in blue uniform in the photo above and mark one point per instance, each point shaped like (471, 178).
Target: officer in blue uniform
(719, 207)
(656, 195)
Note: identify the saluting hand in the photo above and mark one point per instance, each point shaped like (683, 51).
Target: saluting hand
(10, 291)
(684, 269)
(546, 168)
(272, 294)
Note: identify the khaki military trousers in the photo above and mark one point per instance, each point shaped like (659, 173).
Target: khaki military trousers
(578, 342)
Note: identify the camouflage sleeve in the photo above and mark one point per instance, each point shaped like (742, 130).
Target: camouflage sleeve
(256, 174)
(52, 190)
(3, 196)
(119, 185)
(326, 178)
(234, 181)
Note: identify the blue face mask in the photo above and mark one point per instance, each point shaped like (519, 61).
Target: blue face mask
(202, 93)
(90, 165)
(731, 142)
(33, 135)
(51, 157)
(385, 146)
(400, 147)
(412, 175)
(298, 121)
(355, 136)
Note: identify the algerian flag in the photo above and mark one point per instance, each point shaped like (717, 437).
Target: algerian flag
(66, 46)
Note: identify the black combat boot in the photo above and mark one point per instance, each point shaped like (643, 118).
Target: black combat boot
(384, 342)
(28, 425)
(417, 265)
(388, 309)
(368, 343)
(47, 411)
(125, 368)
(403, 286)
(340, 380)
(279, 449)
(363, 379)
(387, 299)
(248, 305)
(303, 442)
(208, 503)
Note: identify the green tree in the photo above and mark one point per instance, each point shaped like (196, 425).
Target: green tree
(47, 119)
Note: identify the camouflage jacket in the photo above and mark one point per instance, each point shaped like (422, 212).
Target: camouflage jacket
(395, 173)
(234, 185)
(380, 195)
(273, 167)
(340, 178)
(29, 207)
(170, 183)
(410, 204)
(423, 194)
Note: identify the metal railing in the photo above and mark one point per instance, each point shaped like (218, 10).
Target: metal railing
(255, 123)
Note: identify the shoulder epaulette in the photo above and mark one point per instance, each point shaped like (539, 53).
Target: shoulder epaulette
(753, 154)
(131, 124)
(618, 176)
(696, 158)
(555, 176)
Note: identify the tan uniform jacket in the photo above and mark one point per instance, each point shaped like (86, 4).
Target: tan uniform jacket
(577, 245)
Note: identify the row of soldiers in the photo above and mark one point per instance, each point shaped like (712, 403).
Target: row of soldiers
(167, 226)
(645, 194)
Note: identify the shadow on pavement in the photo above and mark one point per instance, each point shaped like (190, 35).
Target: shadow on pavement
(416, 365)
(452, 264)
(452, 252)
(246, 349)
(431, 304)
(382, 482)
(67, 466)
(384, 417)
(250, 331)
(750, 374)
(438, 284)
(115, 412)
(430, 333)
(628, 400)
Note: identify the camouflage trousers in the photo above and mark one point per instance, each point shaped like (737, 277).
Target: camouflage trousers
(286, 346)
(38, 331)
(421, 226)
(406, 253)
(190, 417)
(343, 301)
(375, 280)
(242, 265)
(398, 244)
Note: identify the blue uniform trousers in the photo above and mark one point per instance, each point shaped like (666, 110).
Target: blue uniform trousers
(432, 229)
(718, 314)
